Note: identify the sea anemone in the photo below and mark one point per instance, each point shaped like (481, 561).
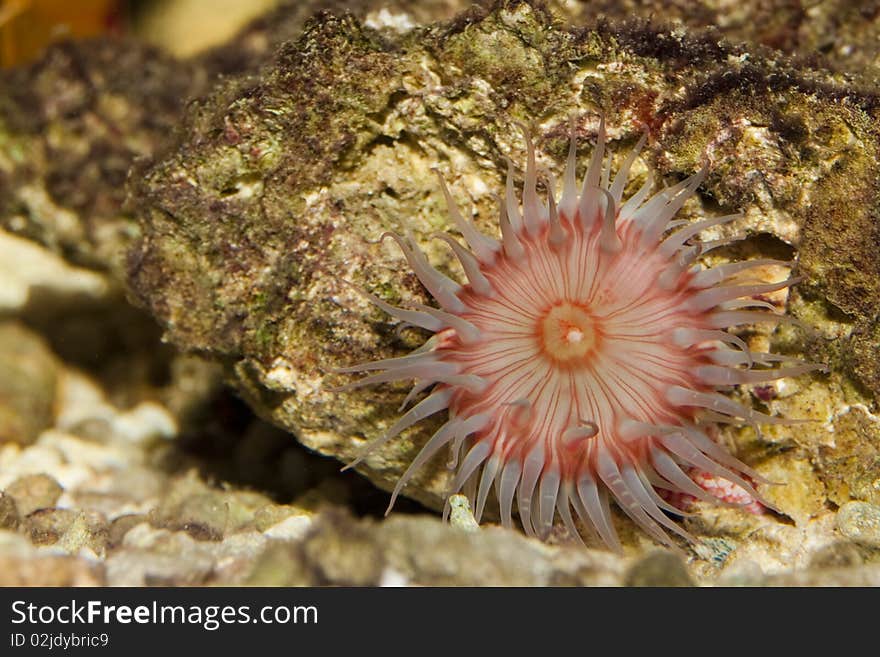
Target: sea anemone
(587, 355)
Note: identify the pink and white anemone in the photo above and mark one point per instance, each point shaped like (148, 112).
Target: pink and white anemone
(586, 352)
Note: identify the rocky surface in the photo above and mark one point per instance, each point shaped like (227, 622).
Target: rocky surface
(28, 381)
(838, 34)
(123, 462)
(106, 496)
(70, 126)
(175, 483)
(64, 156)
(281, 185)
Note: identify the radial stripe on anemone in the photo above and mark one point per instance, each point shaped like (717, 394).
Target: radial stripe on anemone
(586, 354)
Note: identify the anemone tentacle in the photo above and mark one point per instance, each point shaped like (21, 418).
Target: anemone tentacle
(584, 355)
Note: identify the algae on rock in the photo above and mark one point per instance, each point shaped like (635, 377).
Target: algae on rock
(280, 185)
(255, 199)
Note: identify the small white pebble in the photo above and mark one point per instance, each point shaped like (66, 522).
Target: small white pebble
(145, 421)
(393, 578)
(460, 514)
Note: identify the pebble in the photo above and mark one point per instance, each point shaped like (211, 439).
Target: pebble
(659, 568)
(9, 518)
(860, 522)
(33, 492)
(460, 514)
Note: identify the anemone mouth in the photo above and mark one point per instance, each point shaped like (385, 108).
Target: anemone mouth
(577, 358)
(568, 333)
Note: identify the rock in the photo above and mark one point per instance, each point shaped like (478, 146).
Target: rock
(658, 568)
(88, 531)
(120, 527)
(279, 565)
(841, 554)
(850, 466)
(860, 522)
(745, 573)
(30, 272)
(76, 315)
(864, 576)
(292, 528)
(343, 552)
(30, 568)
(426, 552)
(340, 550)
(274, 185)
(460, 514)
(772, 548)
(9, 518)
(158, 557)
(267, 200)
(839, 33)
(152, 557)
(28, 383)
(72, 123)
(802, 497)
(273, 515)
(46, 526)
(33, 492)
(70, 126)
(206, 513)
